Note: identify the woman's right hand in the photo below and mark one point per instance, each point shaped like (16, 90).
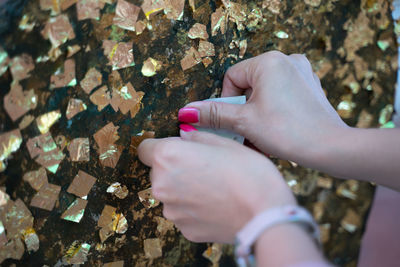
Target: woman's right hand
(287, 113)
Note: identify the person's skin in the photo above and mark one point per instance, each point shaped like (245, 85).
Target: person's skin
(211, 187)
(288, 115)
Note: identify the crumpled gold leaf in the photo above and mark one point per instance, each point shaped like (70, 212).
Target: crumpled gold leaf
(58, 30)
(21, 66)
(174, 9)
(93, 78)
(37, 178)
(126, 15)
(9, 143)
(18, 102)
(120, 55)
(150, 67)
(46, 197)
(79, 149)
(152, 7)
(101, 98)
(117, 190)
(64, 76)
(198, 31)
(74, 107)
(147, 199)
(76, 253)
(45, 121)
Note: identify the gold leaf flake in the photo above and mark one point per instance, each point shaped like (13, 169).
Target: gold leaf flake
(46, 197)
(72, 50)
(37, 178)
(81, 184)
(198, 31)
(58, 30)
(218, 21)
(31, 240)
(93, 78)
(120, 55)
(191, 59)
(45, 121)
(206, 49)
(9, 143)
(151, 7)
(150, 67)
(126, 15)
(79, 149)
(75, 211)
(21, 66)
(147, 199)
(74, 107)
(117, 190)
(76, 253)
(213, 253)
(101, 98)
(152, 248)
(174, 9)
(64, 76)
(18, 102)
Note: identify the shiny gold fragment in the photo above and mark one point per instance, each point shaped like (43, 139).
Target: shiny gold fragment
(152, 248)
(174, 9)
(81, 184)
(236, 13)
(4, 61)
(64, 76)
(191, 59)
(218, 21)
(147, 199)
(117, 190)
(89, 9)
(120, 55)
(207, 61)
(140, 27)
(45, 121)
(151, 7)
(126, 15)
(18, 102)
(31, 240)
(21, 66)
(75, 211)
(76, 253)
(74, 107)
(213, 253)
(150, 67)
(351, 221)
(37, 178)
(164, 225)
(206, 49)
(198, 31)
(93, 78)
(79, 149)
(58, 30)
(52, 5)
(9, 143)
(126, 98)
(72, 50)
(46, 197)
(242, 48)
(101, 98)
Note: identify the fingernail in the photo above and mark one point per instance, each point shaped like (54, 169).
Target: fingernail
(188, 115)
(187, 127)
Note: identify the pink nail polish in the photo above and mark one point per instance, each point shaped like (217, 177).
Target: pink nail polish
(187, 128)
(188, 115)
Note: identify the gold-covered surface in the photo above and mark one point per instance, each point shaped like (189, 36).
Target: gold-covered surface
(354, 53)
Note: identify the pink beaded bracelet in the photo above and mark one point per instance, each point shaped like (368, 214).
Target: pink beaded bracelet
(246, 237)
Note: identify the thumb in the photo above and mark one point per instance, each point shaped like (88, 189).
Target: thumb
(205, 138)
(215, 115)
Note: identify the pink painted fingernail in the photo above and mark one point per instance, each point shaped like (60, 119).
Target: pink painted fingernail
(187, 128)
(188, 115)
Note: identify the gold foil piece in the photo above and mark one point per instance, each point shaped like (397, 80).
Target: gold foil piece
(236, 13)
(117, 190)
(101, 98)
(111, 222)
(45, 121)
(4, 61)
(65, 4)
(114, 264)
(126, 15)
(74, 107)
(79, 149)
(351, 221)
(140, 27)
(46, 197)
(105, 138)
(75, 211)
(207, 61)
(76, 253)
(18, 102)
(81, 184)
(21, 66)
(191, 59)
(120, 55)
(147, 199)
(61, 141)
(125, 99)
(52, 5)
(137, 139)
(198, 31)
(152, 248)
(44, 151)
(37, 178)
(64, 76)
(163, 225)
(9, 143)
(218, 21)
(93, 78)
(152, 7)
(72, 50)
(213, 253)
(150, 67)
(174, 9)
(31, 240)
(90, 9)
(206, 49)
(26, 24)
(26, 121)
(58, 30)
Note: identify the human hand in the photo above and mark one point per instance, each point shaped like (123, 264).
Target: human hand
(287, 113)
(211, 186)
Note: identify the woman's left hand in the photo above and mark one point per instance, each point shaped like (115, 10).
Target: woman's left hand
(211, 186)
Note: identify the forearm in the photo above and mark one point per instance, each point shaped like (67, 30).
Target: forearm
(362, 154)
(286, 245)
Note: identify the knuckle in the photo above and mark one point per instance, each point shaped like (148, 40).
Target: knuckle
(164, 152)
(241, 121)
(215, 120)
(169, 214)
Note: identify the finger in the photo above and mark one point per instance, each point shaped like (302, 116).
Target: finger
(205, 138)
(238, 78)
(302, 63)
(317, 80)
(149, 148)
(215, 115)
